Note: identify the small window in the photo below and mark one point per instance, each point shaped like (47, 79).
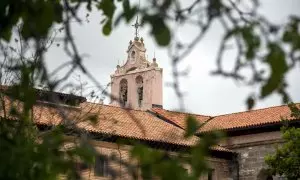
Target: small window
(101, 166)
(210, 174)
(133, 54)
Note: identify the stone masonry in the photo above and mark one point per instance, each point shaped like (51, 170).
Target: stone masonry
(220, 166)
(252, 150)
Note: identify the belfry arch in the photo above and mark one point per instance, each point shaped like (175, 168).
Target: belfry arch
(123, 92)
(140, 89)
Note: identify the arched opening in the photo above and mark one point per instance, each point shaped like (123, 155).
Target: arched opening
(123, 92)
(140, 88)
(133, 54)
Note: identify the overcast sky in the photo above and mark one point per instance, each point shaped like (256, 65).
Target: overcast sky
(205, 94)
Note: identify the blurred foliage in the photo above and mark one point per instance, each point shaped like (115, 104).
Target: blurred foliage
(25, 154)
(286, 159)
(267, 49)
(32, 151)
(189, 164)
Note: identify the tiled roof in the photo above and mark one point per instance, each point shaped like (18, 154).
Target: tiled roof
(232, 121)
(136, 124)
(178, 118)
(252, 118)
(114, 121)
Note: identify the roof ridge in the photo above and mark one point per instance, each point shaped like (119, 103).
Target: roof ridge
(252, 110)
(184, 112)
(188, 113)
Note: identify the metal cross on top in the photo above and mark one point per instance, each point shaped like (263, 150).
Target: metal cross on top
(136, 26)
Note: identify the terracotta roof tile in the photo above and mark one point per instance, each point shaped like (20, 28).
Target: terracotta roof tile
(136, 124)
(245, 119)
(178, 118)
(250, 118)
(114, 121)
(122, 122)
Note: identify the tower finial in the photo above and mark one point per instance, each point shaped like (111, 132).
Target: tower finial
(136, 25)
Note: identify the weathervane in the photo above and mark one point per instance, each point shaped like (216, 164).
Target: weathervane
(137, 25)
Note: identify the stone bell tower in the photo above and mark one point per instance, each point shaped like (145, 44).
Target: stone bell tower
(138, 83)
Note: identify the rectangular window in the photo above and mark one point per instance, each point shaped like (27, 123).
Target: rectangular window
(210, 174)
(101, 166)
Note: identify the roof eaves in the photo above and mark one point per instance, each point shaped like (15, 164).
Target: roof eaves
(249, 127)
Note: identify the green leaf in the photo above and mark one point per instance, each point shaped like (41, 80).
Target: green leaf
(86, 152)
(285, 160)
(160, 30)
(252, 42)
(58, 12)
(192, 126)
(107, 28)
(126, 5)
(250, 102)
(130, 14)
(291, 34)
(276, 60)
(295, 110)
(214, 8)
(162, 35)
(6, 34)
(108, 7)
(287, 36)
(232, 32)
(93, 118)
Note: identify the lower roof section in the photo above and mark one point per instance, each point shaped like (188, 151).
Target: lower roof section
(260, 118)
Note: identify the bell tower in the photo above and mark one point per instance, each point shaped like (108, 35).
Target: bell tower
(138, 83)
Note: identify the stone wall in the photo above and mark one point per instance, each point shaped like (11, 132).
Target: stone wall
(220, 167)
(251, 160)
(117, 168)
(252, 150)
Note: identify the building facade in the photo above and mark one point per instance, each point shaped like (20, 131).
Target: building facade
(136, 113)
(251, 135)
